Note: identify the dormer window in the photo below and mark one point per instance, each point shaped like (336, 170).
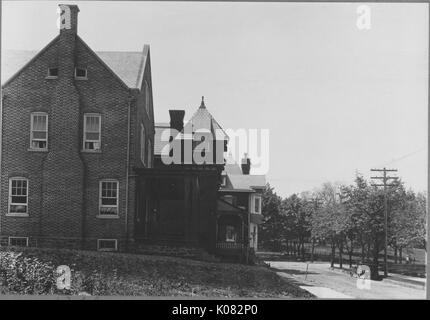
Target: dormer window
(52, 73)
(81, 73)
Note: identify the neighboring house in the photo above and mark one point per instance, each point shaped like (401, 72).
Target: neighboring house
(74, 124)
(178, 201)
(239, 208)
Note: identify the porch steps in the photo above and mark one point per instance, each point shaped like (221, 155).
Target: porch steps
(186, 252)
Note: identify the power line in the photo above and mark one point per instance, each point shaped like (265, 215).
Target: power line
(401, 157)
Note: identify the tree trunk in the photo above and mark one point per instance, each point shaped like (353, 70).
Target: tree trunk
(363, 252)
(340, 253)
(312, 251)
(350, 258)
(303, 248)
(333, 252)
(368, 251)
(395, 254)
(374, 273)
(400, 255)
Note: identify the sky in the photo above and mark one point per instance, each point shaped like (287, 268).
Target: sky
(336, 100)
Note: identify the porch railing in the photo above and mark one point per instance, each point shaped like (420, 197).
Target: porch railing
(229, 245)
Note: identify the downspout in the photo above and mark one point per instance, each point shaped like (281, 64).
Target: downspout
(127, 172)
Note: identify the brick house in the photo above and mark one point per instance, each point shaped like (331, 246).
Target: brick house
(74, 124)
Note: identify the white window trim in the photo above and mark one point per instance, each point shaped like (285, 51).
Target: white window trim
(143, 144)
(223, 181)
(17, 214)
(234, 234)
(107, 216)
(26, 240)
(48, 76)
(31, 130)
(106, 249)
(253, 199)
(86, 115)
(81, 78)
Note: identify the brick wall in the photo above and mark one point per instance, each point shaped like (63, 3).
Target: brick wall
(64, 181)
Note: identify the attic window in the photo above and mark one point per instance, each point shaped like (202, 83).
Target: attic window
(81, 73)
(52, 72)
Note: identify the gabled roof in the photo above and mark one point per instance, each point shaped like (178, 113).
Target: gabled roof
(247, 181)
(225, 206)
(128, 66)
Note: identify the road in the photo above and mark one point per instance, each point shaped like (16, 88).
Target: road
(327, 283)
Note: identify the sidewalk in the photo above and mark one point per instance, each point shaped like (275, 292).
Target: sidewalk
(325, 282)
(412, 282)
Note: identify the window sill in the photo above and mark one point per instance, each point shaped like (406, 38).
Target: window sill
(24, 215)
(51, 77)
(106, 216)
(37, 150)
(90, 151)
(81, 78)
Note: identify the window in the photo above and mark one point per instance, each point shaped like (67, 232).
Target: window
(39, 131)
(18, 241)
(142, 143)
(107, 244)
(223, 181)
(257, 204)
(230, 234)
(18, 196)
(108, 197)
(149, 162)
(92, 129)
(147, 97)
(52, 72)
(81, 73)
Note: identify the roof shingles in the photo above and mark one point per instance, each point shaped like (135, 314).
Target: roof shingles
(126, 65)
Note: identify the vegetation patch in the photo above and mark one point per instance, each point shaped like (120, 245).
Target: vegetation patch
(34, 271)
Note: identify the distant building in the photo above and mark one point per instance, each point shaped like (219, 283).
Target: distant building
(239, 208)
(179, 200)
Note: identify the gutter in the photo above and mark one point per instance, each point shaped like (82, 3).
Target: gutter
(127, 172)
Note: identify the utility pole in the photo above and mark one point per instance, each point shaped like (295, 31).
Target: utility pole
(385, 184)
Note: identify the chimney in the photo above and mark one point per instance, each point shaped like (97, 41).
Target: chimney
(68, 24)
(177, 119)
(63, 169)
(246, 164)
(68, 21)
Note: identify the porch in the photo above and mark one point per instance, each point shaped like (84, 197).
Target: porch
(231, 232)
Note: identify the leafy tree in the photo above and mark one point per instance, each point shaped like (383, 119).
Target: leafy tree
(271, 232)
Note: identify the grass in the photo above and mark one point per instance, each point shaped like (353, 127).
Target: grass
(32, 271)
